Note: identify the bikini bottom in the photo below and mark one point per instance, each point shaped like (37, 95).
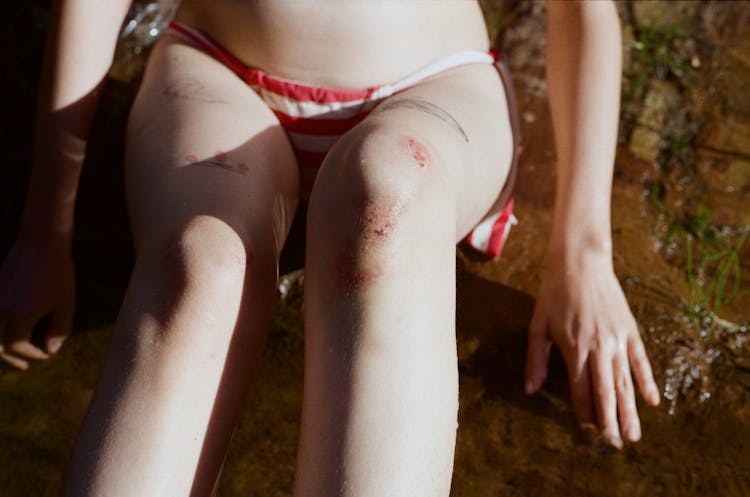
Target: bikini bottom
(314, 118)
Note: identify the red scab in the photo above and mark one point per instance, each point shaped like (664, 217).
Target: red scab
(242, 167)
(418, 151)
(376, 223)
(191, 158)
(381, 230)
(220, 156)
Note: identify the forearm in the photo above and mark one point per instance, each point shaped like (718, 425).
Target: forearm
(583, 73)
(580, 306)
(80, 45)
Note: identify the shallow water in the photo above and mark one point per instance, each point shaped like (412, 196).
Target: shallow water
(696, 443)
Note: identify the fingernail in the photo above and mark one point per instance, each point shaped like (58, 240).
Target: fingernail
(590, 433)
(616, 442)
(612, 439)
(588, 427)
(54, 344)
(633, 433)
(655, 396)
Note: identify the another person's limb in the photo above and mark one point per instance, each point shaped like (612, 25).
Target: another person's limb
(37, 276)
(392, 199)
(580, 305)
(211, 188)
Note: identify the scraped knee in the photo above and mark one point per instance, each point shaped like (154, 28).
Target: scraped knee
(376, 190)
(373, 175)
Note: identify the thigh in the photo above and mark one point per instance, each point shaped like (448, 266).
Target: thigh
(461, 117)
(202, 143)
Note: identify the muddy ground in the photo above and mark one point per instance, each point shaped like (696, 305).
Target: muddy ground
(682, 173)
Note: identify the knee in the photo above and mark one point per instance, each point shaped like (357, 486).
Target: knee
(376, 161)
(372, 179)
(205, 254)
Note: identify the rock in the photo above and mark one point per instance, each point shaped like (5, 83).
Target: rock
(729, 136)
(727, 81)
(661, 101)
(738, 174)
(663, 13)
(646, 144)
(658, 118)
(727, 24)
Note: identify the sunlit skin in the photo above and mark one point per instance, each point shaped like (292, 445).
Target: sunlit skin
(212, 188)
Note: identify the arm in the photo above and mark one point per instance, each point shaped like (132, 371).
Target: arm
(581, 306)
(37, 275)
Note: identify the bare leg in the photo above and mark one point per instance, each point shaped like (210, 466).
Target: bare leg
(212, 186)
(392, 199)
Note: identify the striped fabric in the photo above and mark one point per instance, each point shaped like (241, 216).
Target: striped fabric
(314, 118)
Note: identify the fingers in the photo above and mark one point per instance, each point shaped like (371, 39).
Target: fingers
(60, 328)
(630, 425)
(580, 389)
(642, 370)
(7, 358)
(15, 346)
(605, 398)
(537, 356)
(13, 361)
(27, 350)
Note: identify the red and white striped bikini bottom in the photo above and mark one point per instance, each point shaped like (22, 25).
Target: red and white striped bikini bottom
(314, 118)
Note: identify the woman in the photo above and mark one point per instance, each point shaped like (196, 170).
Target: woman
(218, 164)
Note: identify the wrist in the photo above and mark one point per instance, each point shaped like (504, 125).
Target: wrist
(48, 229)
(50, 201)
(579, 247)
(582, 222)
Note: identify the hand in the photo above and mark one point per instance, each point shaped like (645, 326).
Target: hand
(582, 309)
(36, 279)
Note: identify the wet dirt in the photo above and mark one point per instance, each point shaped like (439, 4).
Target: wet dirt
(697, 442)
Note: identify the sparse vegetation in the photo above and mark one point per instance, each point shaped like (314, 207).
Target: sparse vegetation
(713, 265)
(654, 54)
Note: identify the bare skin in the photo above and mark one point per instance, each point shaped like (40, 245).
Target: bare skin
(212, 188)
(580, 305)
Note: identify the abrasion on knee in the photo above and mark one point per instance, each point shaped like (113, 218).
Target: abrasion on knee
(383, 205)
(377, 175)
(418, 151)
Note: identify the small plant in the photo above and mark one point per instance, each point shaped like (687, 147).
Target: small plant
(713, 263)
(654, 53)
(680, 149)
(498, 16)
(654, 192)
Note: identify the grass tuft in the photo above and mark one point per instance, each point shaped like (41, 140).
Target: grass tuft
(713, 265)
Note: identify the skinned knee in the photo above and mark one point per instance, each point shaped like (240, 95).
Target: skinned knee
(373, 159)
(371, 179)
(378, 190)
